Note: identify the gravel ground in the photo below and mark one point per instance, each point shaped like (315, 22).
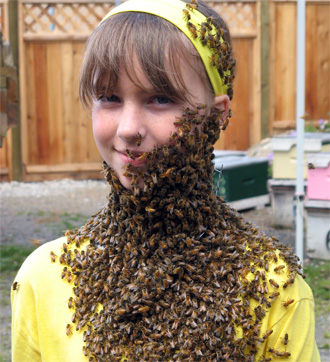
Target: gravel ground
(44, 210)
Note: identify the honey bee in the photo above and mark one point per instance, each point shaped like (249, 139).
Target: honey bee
(68, 329)
(285, 339)
(289, 281)
(273, 296)
(172, 137)
(310, 166)
(273, 283)
(150, 209)
(267, 334)
(143, 156)
(167, 173)
(278, 353)
(130, 154)
(191, 6)
(268, 359)
(144, 309)
(64, 272)
(70, 302)
(279, 268)
(213, 59)
(53, 256)
(288, 302)
(201, 106)
(225, 124)
(186, 14)
(192, 29)
(210, 19)
(15, 286)
(65, 248)
(139, 139)
(35, 242)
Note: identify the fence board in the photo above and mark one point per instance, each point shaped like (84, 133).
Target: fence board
(236, 136)
(283, 65)
(323, 70)
(55, 104)
(285, 48)
(29, 125)
(68, 127)
(42, 103)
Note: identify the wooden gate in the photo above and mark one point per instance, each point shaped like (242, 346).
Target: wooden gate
(56, 133)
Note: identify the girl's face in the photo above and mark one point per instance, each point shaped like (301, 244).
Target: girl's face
(133, 115)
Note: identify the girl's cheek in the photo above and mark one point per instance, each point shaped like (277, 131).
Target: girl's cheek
(102, 126)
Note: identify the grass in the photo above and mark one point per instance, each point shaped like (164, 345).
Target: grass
(317, 276)
(61, 221)
(12, 257)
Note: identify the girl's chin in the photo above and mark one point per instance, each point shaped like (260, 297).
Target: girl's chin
(127, 182)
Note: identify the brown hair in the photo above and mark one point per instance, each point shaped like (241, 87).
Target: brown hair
(158, 45)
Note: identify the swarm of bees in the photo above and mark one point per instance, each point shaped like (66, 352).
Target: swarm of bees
(168, 261)
(212, 35)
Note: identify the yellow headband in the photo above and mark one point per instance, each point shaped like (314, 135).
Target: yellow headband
(188, 20)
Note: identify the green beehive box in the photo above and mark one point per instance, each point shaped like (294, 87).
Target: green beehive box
(240, 177)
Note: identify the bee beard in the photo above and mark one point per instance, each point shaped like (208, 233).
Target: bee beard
(166, 261)
(183, 167)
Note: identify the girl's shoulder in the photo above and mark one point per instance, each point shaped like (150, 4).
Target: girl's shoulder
(43, 263)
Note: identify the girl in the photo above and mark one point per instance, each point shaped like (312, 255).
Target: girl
(166, 271)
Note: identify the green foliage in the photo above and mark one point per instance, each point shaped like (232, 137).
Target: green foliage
(322, 126)
(317, 276)
(12, 256)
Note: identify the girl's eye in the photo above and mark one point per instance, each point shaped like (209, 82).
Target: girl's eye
(162, 100)
(111, 98)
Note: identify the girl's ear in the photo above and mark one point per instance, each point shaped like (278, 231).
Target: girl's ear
(222, 103)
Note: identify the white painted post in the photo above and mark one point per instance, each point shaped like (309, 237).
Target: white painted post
(300, 125)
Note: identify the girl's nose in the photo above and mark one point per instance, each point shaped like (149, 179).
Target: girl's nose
(131, 125)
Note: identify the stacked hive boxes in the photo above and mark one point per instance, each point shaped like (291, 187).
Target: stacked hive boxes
(241, 180)
(283, 184)
(317, 205)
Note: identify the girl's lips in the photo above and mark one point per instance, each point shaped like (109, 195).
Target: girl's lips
(126, 159)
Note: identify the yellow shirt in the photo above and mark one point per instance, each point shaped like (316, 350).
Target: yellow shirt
(40, 315)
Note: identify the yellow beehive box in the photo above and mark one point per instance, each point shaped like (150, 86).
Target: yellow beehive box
(284, 149)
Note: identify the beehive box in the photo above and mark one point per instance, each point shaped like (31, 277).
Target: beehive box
(318, 176)
(239, 177)
(318, 229)
(284, 149)
(228, 153)
(282, 196)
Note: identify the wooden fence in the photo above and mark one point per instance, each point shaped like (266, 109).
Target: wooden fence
(56, 137)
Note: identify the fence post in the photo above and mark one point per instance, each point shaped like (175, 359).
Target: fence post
(264, 64)
(16, 172)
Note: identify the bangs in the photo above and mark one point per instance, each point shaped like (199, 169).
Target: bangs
(159, 46)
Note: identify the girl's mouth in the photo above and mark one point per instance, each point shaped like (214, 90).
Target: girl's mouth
(135, 158)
